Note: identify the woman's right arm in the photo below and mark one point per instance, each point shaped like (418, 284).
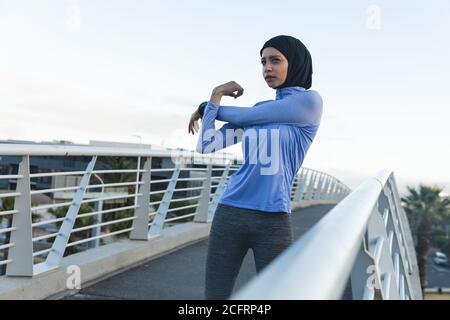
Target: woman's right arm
(211, 140)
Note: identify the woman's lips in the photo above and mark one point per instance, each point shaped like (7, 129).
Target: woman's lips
(270, 78)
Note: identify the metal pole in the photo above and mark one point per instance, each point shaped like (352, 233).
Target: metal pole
(98, 207)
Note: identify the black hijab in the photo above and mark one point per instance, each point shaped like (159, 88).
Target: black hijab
(299, 60)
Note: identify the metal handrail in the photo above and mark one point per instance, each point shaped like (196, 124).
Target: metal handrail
(76, 150)
(204, 203)
(318, 265)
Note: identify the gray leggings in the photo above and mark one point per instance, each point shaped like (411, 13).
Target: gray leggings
(234, 231)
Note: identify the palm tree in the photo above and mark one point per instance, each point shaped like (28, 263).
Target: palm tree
(424, 207)
(119, 163)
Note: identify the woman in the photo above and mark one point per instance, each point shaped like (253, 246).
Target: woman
(254, 210)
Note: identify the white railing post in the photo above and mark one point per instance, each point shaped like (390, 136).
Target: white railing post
(136, 189)
(201, 215)
(402, 222)
(329, 195)
(325, 186)
(21, 253)
(363, 279)
(317, 191)
(332, 190)
(59, 245)
(397, 245)
(140, 224)
(321, 186)
(311, 184)
(338, 193)
(385, 223)
(294, 185)
(378, 243)
(218, 193)
(160, 217)
(98, 206)
(342, 193)
(300, 186)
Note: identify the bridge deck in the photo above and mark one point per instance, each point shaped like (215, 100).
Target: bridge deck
(180, 274)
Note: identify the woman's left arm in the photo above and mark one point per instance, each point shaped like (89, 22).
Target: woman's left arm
(300, 109)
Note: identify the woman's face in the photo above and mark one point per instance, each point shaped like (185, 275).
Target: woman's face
(274, 67)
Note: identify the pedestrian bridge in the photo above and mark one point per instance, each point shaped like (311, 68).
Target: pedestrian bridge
(136, 224)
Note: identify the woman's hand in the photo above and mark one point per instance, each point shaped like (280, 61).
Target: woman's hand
(193, 122)
(230, 89)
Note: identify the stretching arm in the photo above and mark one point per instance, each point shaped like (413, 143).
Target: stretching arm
(300, 109)
(211, 140)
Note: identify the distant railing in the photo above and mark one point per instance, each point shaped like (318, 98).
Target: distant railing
(311, 185)
(150, 199)
(365, 238)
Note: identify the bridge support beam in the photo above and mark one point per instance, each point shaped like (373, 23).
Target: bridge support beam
(201, 214)
(21, 254)
(160, 217)
(219, 190)
(140, 224)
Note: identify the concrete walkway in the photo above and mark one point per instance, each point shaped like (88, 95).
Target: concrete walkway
(180, 274)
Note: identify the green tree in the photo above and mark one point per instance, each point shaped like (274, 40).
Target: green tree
(425, 207)
(441, 241)
(119, 163)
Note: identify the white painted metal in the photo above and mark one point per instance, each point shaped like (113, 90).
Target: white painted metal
(21, 254)
(140, 224)
(202, 209)
(352, 239)
(60, 244)
(158, 222)
(140, 227)
(219, 190)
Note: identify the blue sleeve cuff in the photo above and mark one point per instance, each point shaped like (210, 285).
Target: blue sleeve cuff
(202, 107)
(211, 106)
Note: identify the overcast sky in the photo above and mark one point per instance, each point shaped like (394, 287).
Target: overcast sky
(112, 70)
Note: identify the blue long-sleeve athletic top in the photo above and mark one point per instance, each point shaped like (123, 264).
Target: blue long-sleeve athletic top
(276, 135)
